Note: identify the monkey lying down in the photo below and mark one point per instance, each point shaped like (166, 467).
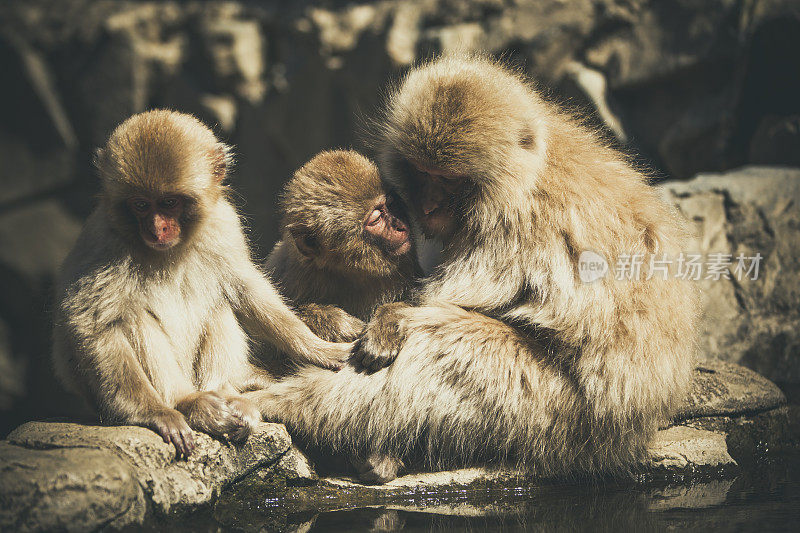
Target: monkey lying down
(158, 296)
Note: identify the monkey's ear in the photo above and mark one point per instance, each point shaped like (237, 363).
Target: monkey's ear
(304, 240)
(220, 159)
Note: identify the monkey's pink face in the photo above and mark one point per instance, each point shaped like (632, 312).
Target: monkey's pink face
(433, 195)
(159, 219)
(384, 222)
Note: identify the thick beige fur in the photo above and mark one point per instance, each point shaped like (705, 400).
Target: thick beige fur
(141, 332)
(588, 371)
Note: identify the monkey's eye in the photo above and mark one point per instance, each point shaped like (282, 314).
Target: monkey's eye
(140, 205)
(169, 203)
(374, 217)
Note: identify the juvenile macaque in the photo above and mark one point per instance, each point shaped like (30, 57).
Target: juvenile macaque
(346, 246)
(156, 297)
(507, 355)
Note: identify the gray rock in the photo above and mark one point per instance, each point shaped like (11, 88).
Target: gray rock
(75, 489)
(42, 455)
(725, 389)
(683, 449)
(295, 467)
(754, 210)
(50, 227)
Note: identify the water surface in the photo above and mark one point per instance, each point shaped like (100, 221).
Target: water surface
(763, 497)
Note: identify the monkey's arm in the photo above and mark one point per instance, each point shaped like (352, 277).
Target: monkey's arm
(123, 390)
(330, 322)
(465, 283)
(266, 316)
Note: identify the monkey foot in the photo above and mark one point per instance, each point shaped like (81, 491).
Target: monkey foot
(377, 468)
(211, 413)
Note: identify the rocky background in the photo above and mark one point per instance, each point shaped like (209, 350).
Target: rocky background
(694, 86)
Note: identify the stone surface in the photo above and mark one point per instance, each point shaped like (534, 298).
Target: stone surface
(754, 210)
(59, 474)
(680, 448)
(295, 467)
(66, 489)
(73, 476)
(726, 389)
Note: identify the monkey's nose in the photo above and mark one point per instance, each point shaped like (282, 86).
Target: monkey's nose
(159, 227)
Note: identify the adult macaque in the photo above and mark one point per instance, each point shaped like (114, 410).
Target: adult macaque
(515, 189)
(155, 296)
(346, 246)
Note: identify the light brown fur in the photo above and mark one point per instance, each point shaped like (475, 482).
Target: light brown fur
(157, 337)
(326, 262)
(581, 382)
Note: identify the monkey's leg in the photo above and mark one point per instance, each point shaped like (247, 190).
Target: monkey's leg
(330, 323)
(223, 360)
(463, 386)
(126, 394)
(266, 316)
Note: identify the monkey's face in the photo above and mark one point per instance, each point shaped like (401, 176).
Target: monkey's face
(454, 133)
(386, 228)
(436, 196)
(356, 235)
(339, 217)
(158, 219)
(162, 173)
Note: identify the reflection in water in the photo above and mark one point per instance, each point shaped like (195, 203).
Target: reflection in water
(765, 497)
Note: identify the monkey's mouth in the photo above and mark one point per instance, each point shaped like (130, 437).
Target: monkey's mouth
(157, 245)
(436, 221)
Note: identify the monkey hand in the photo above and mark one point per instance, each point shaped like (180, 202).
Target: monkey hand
(383, 337)
(174, 429)
(332, 355)
(330, 323)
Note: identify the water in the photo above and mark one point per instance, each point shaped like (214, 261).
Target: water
(764, 497)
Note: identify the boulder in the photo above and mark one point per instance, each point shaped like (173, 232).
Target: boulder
(58, 475)
(720, 388)
(61, 489)
(750, 211)
(71, 476)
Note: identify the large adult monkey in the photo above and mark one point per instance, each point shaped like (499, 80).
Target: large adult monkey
(156, 296)
(515, 189)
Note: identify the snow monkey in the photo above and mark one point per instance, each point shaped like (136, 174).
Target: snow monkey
(505, 354)
(346, 246)
(157, 295)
